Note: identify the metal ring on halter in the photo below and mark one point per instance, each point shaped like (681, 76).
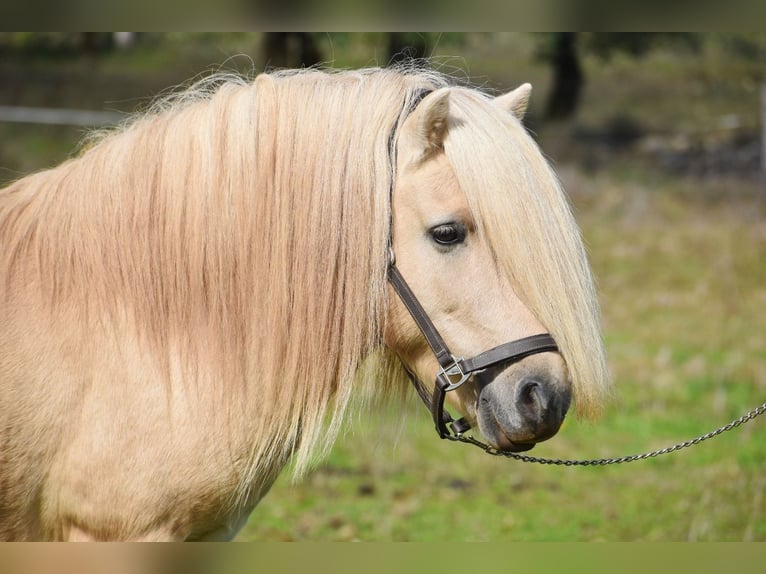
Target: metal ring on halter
(454, 370)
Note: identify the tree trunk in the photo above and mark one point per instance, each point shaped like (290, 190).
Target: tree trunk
(290, 50)
(567, 78)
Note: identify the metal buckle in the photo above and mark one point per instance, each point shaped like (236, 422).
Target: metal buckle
(454, 370)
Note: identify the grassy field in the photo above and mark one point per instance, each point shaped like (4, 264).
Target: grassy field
(675, 223)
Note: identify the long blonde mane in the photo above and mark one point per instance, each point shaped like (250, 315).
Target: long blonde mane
(242, 232)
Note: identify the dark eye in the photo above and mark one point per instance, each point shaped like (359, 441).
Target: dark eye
(448, 233)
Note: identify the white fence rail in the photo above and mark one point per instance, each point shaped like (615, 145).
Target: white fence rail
(57, 116)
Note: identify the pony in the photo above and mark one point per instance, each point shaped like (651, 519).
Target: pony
(196, 297)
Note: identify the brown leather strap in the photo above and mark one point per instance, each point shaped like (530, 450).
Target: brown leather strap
(434, 339)
(454, 366)
(518, 350)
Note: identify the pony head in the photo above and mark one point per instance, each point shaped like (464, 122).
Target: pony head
(484, 236)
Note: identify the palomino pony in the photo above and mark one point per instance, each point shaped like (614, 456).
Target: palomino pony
(195, 299)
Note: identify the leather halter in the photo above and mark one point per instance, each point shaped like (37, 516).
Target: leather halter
(454, 371)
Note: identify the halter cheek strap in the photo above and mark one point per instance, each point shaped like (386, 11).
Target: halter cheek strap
(454, 371)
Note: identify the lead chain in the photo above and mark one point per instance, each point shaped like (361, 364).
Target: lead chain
(606, 461)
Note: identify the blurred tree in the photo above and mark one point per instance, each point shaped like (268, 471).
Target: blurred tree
(404, 46)
(567, 77)
(57, 44)
(290, 50)
(94, 42)
(564, 50)
(298, 49)
(638, 44)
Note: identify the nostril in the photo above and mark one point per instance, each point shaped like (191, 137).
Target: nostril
(523, 411)
(532, 399)
(528, 391)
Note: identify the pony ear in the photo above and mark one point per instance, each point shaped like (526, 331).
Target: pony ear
(431, 123)
(515, 101)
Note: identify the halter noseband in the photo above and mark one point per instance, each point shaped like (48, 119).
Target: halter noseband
(454, 371)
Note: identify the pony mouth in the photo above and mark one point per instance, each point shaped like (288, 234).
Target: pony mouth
(515, 447)
(508, 437)
(502, 442)
(514, 440)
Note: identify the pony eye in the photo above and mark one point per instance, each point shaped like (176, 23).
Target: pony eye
(448, 233)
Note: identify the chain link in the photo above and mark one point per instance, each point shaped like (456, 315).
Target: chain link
(606, 461)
